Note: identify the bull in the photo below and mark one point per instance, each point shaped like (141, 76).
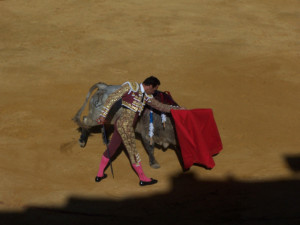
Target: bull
(164, 134)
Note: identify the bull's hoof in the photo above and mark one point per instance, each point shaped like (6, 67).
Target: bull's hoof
(155, 165)
(81, 143)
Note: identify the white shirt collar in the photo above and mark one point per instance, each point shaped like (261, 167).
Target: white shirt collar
(142, 88)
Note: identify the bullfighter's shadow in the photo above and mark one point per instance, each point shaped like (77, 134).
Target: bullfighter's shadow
(189, 201)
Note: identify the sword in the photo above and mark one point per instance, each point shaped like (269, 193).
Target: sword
(105, 140)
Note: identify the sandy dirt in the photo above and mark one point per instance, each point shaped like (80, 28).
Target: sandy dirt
(240, 58)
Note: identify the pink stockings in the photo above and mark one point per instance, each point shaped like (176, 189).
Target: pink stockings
(139, 170)
(137, 167)
(103, 164)
(112, 147)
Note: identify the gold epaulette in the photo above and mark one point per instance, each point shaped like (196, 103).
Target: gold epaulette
(134, 86)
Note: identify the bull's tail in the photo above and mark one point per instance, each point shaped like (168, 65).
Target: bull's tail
(77, 116)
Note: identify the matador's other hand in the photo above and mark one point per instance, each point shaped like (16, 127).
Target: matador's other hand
(100, 120)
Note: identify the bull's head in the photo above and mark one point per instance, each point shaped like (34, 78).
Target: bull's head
(164, 97)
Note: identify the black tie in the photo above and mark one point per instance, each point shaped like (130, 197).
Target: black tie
(143, 97)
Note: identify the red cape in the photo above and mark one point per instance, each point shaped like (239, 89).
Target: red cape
(198, 136)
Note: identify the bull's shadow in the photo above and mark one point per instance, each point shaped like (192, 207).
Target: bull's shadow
(190, 201)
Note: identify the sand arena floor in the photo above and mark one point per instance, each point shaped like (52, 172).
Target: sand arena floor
(240, 58)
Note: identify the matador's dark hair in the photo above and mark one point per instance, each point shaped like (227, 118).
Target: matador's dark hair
(151, 81)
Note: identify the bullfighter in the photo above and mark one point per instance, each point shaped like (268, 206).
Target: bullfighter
(134, 97)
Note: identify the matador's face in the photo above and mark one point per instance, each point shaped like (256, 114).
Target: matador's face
(150, 89)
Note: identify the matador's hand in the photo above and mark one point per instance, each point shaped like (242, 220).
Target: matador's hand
(100, 120)
(179, 108)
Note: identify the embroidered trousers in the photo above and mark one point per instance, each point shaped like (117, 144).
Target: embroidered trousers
(124, 132)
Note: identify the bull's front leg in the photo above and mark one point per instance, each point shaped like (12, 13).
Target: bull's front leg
(83, 137)
(150, 150)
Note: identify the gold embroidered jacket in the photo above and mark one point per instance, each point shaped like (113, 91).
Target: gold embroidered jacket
(132, 98)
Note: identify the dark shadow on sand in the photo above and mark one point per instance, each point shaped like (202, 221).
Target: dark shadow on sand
(293, 162)
(190, 201)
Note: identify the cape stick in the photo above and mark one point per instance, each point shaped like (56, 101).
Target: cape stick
(105, 139)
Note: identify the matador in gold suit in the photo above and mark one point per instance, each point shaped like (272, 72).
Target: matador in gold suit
(134, 97)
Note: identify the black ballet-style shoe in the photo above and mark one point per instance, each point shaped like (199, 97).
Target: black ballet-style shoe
(98, 179)
(144, 183)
